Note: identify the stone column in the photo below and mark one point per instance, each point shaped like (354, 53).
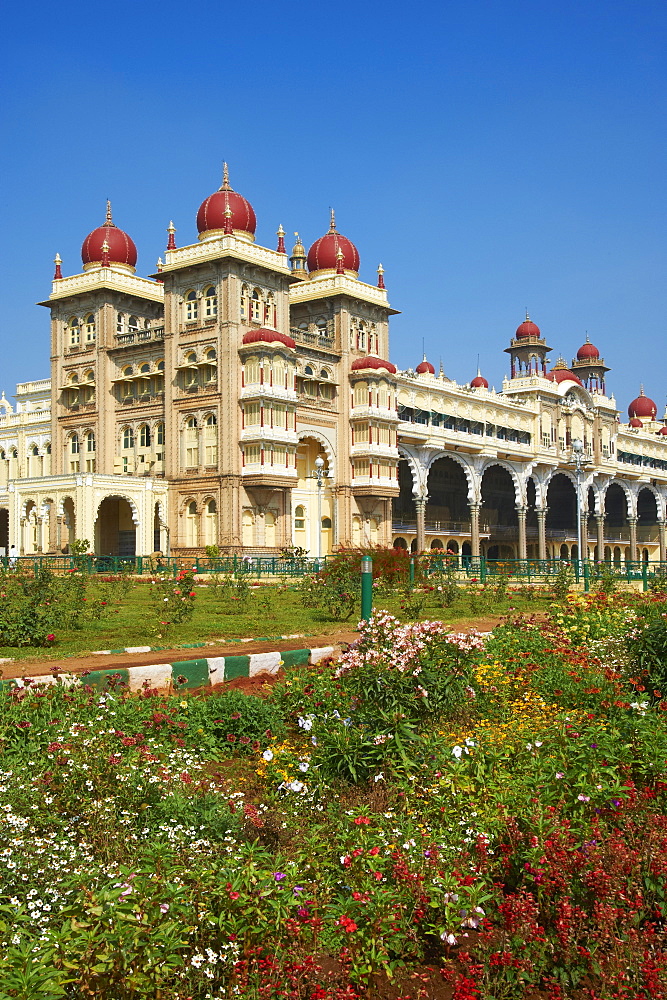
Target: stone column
(541, 532)
(474, 529)
(523, 550)
(599, 524)
(661, 536)
(420, 506)
(632, 521)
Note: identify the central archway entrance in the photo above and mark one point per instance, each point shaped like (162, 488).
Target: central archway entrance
(115, 530)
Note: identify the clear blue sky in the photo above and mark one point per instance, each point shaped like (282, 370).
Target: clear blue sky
(492, 155)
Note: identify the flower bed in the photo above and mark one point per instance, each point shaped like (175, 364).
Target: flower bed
(436, 815)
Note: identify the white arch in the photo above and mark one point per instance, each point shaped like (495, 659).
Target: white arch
(326, 444)
(630, 498)
(473, 486)
(119, 496)
(514, 475)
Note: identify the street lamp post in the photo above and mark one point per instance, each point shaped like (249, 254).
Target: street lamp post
(320, 475)
(578, 455)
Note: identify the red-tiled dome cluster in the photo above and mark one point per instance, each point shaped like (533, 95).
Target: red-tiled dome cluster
(425, 368)
(211, 215)
(588, 352)
(264, 336)
(663, 430)
(121, 248)
(642, 407)
(563, 375)
(636, 422)
(527, 329)
(372, 362)
(479, 382)
(323, 254)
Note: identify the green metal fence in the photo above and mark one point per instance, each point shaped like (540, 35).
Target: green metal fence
(469, 568)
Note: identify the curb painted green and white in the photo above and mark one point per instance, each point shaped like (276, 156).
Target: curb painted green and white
(182, 675)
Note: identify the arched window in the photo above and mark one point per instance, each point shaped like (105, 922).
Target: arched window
(74, 444)
(128, 438)
(191, 525)
(144, 369)
(191, 307)
(300, 518)
(279, 371)
(256, 307)
(120, 323)
(270, 311)
(248, 527)
(270, 529)
(89, 326)
(90, 452)
(324, 373)
(244, 302)
(160, 366)
(308, 371)
(191, 450)
(144, 436)
(211, 523)
(210, 302)
(133, 324)
(159, 433)
(211, 440)
(74, 331)
(74, 449)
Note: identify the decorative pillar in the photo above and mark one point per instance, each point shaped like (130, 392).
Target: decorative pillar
(474, 529)
(541, 532)
(632, 521)
(420, 506)
(661, 535)
(523, 550)
(599, 524)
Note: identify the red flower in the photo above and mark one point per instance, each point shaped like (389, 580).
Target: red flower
(347, 924)
(362, 819)
(50, 637)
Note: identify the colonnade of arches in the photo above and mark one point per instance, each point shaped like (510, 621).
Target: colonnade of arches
(498, 510)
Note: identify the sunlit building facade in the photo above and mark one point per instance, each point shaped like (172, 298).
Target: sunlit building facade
(242, 397)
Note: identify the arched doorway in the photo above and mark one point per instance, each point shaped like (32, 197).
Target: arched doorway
(68, 529)
(313, 503)
(115, 530)
(647, 521)
(561, 521)
(499, 499)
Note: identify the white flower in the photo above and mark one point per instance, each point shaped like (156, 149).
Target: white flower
(295, 786)
(447, 938)
(268, 755)
(306, 724)
(456, 752)
(304, 765)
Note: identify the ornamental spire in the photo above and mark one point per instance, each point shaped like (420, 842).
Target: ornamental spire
(332, 223)
(225, 178)
(58, 272)
(109, 220)
(380, 276)
(340, 259)
(281, 240)
(171, 242)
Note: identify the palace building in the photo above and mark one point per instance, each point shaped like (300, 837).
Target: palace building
(242, 397)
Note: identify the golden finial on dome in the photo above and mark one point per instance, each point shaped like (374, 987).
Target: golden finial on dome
(298, 250)
(332, 223)
(225, 177)
(527, 316)
(108, 221)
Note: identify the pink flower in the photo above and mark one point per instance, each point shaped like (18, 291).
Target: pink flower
(50, 637)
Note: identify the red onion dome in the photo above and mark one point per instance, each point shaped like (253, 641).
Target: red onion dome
(642, 406)
(636, 422)
(120, 249)
(324, 253)
(527, 329)
(663, 430)
(559, 373)
(213, 212)
(425, 368)
(588, 352)
(264, 336)
(479, 382)
(372, 362)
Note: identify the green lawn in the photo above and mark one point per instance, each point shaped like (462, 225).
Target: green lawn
(268, 611)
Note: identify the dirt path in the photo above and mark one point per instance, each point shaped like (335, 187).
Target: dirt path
(80, 664)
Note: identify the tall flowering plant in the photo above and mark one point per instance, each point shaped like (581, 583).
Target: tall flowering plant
(408, 671)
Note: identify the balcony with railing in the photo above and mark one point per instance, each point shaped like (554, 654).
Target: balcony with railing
(139, 336)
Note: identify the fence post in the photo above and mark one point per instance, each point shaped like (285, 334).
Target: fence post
(412, 572)
(366, 587)
(587, 577)
(644, 577)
